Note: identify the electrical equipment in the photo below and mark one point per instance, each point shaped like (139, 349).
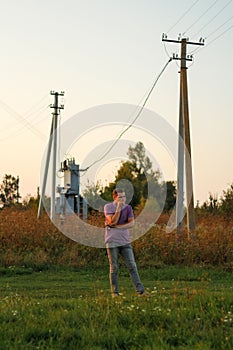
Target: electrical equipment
(70, 200)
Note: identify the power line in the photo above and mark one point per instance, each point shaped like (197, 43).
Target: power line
(184, 14)
(167, 53)
(200, 17)
(216, 38)
(39, 116)
(31, 110)
(132, 123)
(220, 26)
(23, 120)
(198, 49)
(219, 36)
(33, 116)
(28, 123)
(20, 130)
(211, 20)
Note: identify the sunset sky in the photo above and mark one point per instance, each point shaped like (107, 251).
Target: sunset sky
(102, 52)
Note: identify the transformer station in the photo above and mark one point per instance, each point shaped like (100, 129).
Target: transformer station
(70, 201)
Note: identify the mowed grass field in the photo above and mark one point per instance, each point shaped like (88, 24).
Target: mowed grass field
(54, 292)
(71, 308)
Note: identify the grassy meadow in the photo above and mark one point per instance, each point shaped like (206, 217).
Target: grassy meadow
(185, 308)
(54, 293)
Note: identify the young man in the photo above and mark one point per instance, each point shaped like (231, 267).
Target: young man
(119, 218)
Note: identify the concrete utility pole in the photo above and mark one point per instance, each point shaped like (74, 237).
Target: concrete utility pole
(52, 143)
(184, 153)
(180, 170)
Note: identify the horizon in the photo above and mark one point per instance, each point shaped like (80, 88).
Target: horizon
(104, 53)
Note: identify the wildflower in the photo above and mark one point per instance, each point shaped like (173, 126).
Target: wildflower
(157, 308)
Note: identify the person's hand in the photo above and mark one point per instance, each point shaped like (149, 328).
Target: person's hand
(120, 204)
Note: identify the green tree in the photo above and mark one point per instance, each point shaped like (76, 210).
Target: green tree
(30, 201)
(140, 182)
(145, 181)
(9, 190)
(221, 206)
(170, 189)
(125, 176)
(226, 202)
(92, 194)
(211, 205)
(141, 164)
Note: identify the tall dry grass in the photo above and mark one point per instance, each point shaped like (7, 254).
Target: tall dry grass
(26, 241)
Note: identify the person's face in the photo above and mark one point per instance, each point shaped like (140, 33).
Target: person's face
(121, 197)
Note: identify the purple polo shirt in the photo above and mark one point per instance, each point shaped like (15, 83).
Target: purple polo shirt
(117, 236)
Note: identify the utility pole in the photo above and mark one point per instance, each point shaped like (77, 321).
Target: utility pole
(180, 170)
(184, 153)
(17, 189)
(52, 144)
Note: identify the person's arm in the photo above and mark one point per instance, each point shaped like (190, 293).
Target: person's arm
(128, 224)
(113, 219)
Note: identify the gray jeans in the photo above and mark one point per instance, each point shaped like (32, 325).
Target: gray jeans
(127, 254)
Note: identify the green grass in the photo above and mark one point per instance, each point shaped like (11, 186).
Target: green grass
(186, 308)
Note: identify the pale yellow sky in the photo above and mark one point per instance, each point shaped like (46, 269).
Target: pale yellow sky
(102, 52)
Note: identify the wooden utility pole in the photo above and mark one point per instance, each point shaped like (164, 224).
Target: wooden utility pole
(52, 143)
(184, 153)
(188, 160)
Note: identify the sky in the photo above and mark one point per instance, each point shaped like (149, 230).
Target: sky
(103, 52)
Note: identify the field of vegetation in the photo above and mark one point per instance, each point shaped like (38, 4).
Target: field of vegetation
(54, 292)
(185, 308)
(27, 241)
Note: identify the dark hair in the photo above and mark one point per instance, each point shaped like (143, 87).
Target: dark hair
(116, 191)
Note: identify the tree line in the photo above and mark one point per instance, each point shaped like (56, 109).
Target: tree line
(145, 184)
(140, 182)
(9, 191)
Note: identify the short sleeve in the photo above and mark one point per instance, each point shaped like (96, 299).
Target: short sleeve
(130, 212)
(108, 210)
